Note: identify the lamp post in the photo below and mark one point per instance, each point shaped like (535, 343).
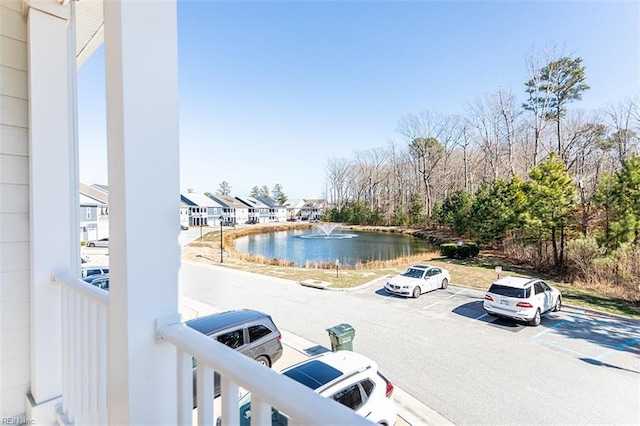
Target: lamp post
(221, 249)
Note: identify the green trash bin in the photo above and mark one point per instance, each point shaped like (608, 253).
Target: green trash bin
(341, 337)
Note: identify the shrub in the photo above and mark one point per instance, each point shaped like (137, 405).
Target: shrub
(448, 250)
(459, 250)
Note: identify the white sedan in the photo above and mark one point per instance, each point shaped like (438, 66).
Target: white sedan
(102, 242)
(418, 279)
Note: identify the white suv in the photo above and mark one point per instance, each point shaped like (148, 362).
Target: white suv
(524, 299)
(344, 376)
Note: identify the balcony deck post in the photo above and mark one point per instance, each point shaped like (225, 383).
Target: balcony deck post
(141, 64)
(53, 198)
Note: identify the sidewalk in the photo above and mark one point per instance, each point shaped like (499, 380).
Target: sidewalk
(296, 349)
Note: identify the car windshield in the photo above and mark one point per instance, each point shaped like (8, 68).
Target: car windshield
(413, 273)
(503, 290)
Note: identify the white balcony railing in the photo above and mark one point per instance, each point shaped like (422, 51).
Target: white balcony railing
(85, 311)
(85, 316)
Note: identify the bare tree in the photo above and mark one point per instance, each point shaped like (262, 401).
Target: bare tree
(625, 121)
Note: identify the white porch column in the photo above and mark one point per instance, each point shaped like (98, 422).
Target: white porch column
(53, 192)
(142, 134)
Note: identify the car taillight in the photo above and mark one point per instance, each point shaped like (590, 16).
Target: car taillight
(279, 336)
(389, 391)
(487, 297)
(524, 305)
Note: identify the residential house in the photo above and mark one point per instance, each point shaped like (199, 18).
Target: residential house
(73, 353)
(277, 212)
(294, 208)
(233, 210)
(313, 209)
(202, 209)
(88, 218)
(100, 194)
(258, 210)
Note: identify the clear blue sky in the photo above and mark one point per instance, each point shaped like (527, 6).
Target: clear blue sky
(269, 90)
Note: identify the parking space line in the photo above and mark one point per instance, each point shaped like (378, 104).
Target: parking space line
(440, 301)
(563, 347)
(616, 349)
(555, 326)
(481, 316)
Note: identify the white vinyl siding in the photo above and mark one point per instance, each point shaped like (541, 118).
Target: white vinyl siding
(14, 211)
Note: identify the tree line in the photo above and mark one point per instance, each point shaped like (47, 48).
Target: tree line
(534, 178)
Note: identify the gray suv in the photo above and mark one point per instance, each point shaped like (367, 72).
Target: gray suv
(250, 332)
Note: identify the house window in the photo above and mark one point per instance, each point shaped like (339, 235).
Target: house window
(88, 212)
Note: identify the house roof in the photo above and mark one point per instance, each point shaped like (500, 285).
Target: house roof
(252, 202)
(94, 193)
(295, 204)
(270, 203)
(88, 201)
(200, 200)
(229, 201)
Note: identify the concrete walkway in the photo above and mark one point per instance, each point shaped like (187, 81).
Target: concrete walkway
(296, 349)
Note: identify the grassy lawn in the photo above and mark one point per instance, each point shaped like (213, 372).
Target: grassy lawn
(476, 272)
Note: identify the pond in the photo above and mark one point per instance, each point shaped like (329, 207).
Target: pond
(349, 247)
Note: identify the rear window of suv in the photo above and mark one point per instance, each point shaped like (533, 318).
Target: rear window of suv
(503, 290)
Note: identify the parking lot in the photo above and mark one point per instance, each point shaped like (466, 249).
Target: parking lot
(594, 338)
(575, 368)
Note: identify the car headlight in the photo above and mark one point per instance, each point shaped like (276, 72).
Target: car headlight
(405, 286)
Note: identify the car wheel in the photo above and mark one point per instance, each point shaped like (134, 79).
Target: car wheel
(536, 319)
(91, 245)
(263, 360)
(445, 284)
(416, 292)
(558, 304)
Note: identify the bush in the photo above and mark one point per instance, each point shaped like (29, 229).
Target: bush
(459, 250)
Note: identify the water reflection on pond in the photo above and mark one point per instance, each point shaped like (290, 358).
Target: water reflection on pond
(350, 247)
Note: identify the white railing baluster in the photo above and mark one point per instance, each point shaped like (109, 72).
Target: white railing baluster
(260, 411)
(268, 388)
(102, 364)
(84, 319)
(229, 392)
(84, 364)
(93, 363)
(204, 381)
(64, 295)
(185, 388)
(77, 359)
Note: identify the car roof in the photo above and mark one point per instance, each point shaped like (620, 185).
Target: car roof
(420, 266)
(214, 322)
(515, 282)
(324, 369)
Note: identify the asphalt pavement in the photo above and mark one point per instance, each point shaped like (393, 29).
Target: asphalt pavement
(296, 349)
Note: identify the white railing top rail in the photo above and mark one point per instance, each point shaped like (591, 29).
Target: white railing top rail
(296, 400)
(100, 296)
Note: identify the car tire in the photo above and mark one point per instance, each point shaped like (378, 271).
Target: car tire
(536, 319)
(416, 292)
(558, 304)
(263, 360)
(91, 245)
(445, 284)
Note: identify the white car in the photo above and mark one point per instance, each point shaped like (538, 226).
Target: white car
(344, 376)
(524, 299)
(102, 242)
(418, 279)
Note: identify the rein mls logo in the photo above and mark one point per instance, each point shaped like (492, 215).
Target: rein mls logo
(16, 421)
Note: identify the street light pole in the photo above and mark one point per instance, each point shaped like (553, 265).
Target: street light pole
(221, 249)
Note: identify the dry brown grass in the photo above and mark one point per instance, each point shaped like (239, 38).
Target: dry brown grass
(477, 272)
